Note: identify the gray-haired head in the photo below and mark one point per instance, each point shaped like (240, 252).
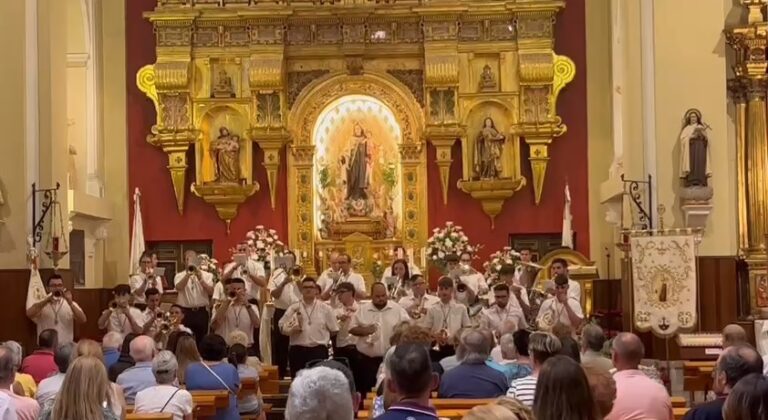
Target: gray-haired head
(112, 340)
(7, 369)
(477, 345)
(319, 393)
(507, 345)
(16, 352)
(592, 338)
(165, 367)
(62, 356)
(542, 346)
(142, 348)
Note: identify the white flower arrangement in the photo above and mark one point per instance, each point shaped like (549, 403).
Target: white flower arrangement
(264, 243)
(506, 255)
(210, 265)
(450, 239)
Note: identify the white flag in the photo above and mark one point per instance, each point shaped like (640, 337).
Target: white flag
(35, 288)
(137, 235)
(567, 228)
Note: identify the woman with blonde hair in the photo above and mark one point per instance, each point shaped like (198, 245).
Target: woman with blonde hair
(86, 347)
(186, 354)
(517, 408)
(490, 412)
(85, 393)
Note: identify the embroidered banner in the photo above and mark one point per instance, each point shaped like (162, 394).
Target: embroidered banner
(664, 283)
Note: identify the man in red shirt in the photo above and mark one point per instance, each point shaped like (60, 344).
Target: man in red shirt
(40, 364)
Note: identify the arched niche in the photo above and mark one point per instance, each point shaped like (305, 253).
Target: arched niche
(212, 120)
(503, 116)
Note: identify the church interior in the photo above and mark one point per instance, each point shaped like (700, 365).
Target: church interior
(625, 137)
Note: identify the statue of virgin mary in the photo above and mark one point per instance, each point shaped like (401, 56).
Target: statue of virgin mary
(357, 166)
(694, 151)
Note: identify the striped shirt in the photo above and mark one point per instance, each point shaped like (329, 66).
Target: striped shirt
(524, 389)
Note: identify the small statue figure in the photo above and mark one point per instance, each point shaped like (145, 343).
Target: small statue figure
(694, 151)
(223, 87)
(225, 152)
(488, 149)
(487, 80)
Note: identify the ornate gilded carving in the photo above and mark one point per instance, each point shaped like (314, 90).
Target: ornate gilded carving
(442, 106)
(174, 109)
(268, 33)
(265, 72)
(298, 80)
(441, 70)
(441, 30)
(538, 24)
(268, 113)
(492, 193)
(173, 33)
(271, 142)
(413, 79)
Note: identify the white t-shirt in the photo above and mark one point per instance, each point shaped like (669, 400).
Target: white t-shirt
(356, 280)
(343, 337)
(137, 280)
(7, 407)
(118, 321)
(237, 319)
(552, 312)
(252, 267)
(290, 293)
(408, 302)
(57, 315)
(387, 318)
(152, 400)
(451, 317)
(412, 270)
(193, 295)
(476, 283)
(318, 321)
(493, 317)
(574, 290)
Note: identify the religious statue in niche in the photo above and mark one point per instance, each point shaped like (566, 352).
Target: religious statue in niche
(489, 146)
(487, 80)
(225, 153)
(357, 165)
(694, 151)
(222, 86)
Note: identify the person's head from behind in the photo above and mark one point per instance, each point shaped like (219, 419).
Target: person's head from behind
(17, 353)
(213, 348)
(347, 372)
(490, 412)
(238, 354)
(748, 400)
(165, 368)
(410, 371)
(142, 349)
(112, 341)
(477, 346)
(186, 349)
(734, 363)
(563, 392)
(521, 338)
(734, 334)
(48, 339)
(603, 388)
(173, 340)
(518, 409)
(507, 345)
(63, 356)
(88, 347)
(592, 338)
(125, 350)
(7, 367)
(542, 346)
(627, 351)
(84, 390)
(570, 348)
(237, 337)
(319, 393)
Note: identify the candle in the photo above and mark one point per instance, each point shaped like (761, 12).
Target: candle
(424, 256)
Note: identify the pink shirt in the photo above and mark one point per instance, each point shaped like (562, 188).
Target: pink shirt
(639, 397)
(39, 365)
(26, 408)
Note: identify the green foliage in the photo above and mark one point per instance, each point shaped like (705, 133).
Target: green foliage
(390, 176)
(325, 178)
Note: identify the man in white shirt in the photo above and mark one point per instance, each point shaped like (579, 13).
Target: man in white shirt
(502, 311)
(560, 308)
(284, 291)
(152, 314)
(195, 288)
(525, 274)
(143, 280)
(121, 317)
(445, 319)
(519, 294)
(419, 302)
(235, 313)
(309, 323)
(58, 311)
(347, 275)
(329, 279)
(400, 254)
(346, 343)
(244, 267)
(470, 284)
(560, 266)
(374, 324)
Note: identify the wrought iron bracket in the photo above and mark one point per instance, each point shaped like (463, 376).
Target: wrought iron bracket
(633, 188)
(49, 197)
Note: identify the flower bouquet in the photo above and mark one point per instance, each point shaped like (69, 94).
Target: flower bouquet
(506, 255)
(210, 265)
(264, 243)
(447, 240)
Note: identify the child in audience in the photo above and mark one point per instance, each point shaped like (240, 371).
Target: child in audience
(251, 403)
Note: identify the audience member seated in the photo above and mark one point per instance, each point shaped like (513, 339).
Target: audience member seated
(238, 354)
(637, 396)
(165, 397)
(451, 362)
(563, 392)
(570, 348)
(49, 387)
(40, 364)
(734, 363)
(410, 377)
(25, 408)
(592, 342)
(173, 340)
(473, 378)
(489, 412)
(186, 354)
(213, 373)
(603, 388)
(90, 348)
(518, 409)
(110, 346)
(523, 365)
(85, 394)
(344, 369)
(507, 370)
(25, 381)
(541, 346)
(734, 334)
(124, 361)
(748, 400)
(139, 376)
(507, 349)
(319, 393)
(507, 327)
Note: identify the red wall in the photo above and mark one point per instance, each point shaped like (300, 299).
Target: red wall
(146, 165)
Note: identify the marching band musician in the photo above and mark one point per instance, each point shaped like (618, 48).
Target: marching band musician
(57, 311)
(526, 271)
(195, 288)
(420, 301)
(399, 282)
(560, 308)
(235, 313)
(560, 267)
(327, 277)
(345, 342)
(143, 280)
(310, 323)
(519, 292)
(502, 311)
(243, 266)
(152, 314)
(469, 283)
(344, 274)
(121, 317)
(445, 318)
(284, 291)
(400, 254)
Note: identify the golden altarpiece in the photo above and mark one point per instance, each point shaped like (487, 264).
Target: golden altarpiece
(354, 90)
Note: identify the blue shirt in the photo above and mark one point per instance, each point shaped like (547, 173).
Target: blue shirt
(511, 371)
(135, 379)
(712, 410)
(110, 357)
(198, 378)
(408, 411)
(473, 380)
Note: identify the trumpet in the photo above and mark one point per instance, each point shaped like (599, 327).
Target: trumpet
(297, 273)
(348, 313)
(375, 336)
(441, 339)
(416, 310)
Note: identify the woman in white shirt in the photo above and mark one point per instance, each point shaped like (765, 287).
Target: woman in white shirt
(166, 396)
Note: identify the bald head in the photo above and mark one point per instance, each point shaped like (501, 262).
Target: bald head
(628, 351)
(734, 335)
(142, 349)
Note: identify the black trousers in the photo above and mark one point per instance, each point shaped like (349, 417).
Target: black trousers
(299, 356)
(280, 345)
(351, 354)
(443, 352)
(197, 320)
(255, 349)
(367, 368)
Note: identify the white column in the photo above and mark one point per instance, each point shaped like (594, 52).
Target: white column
(648, 93)
(31, 114)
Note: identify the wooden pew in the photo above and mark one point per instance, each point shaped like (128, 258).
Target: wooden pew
(148, 416)
(207, 402)
(679, 402)
(248, 386)
(679, 412)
